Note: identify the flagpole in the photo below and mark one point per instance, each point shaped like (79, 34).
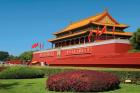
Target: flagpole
(97, 33)
(106, 31)
(114, 32)
(105, 24)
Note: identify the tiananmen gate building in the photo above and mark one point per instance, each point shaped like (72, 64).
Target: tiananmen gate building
(95, 41)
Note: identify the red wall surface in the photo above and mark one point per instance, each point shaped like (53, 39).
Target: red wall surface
(113, 55)
(14, 62)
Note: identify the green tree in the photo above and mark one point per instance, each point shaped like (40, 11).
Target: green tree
(12, 57)
(26, 56)
(135, 39)
(4, 55)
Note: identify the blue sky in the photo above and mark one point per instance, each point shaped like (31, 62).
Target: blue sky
(24, 22)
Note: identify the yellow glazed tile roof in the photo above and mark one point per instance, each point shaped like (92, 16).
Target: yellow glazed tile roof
(120, 33)
(88, 20)
(63, 37)
(116, 25)
(94, 31)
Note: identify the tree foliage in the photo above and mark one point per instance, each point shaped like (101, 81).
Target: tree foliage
(12, 57)
(135, 40)
(26, 56)
(4, 55)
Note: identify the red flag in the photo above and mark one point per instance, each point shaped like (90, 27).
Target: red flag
(113, 30)
(97, 33)
(89, 36)
(103, 30)
(35, 45)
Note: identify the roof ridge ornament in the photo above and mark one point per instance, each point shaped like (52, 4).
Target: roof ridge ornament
(106, 10)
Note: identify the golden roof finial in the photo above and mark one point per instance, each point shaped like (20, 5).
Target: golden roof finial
(106, 10)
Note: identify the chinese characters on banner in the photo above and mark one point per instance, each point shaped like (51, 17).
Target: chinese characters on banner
(79, 51)
(67, 52)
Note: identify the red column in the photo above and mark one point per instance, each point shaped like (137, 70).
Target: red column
(73, 41)
(65, 43)
(84, 41)
(70, 42)
(61, 44)
(79, 41)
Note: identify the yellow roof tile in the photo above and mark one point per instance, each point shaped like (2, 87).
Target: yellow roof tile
(87, 21)
(71, 35)
(116, 25)
(94, 31)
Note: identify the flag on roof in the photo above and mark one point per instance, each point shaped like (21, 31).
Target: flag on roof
(89, 36)
(35, 45)
(97, 32)
(103, 30)
(113, 30)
